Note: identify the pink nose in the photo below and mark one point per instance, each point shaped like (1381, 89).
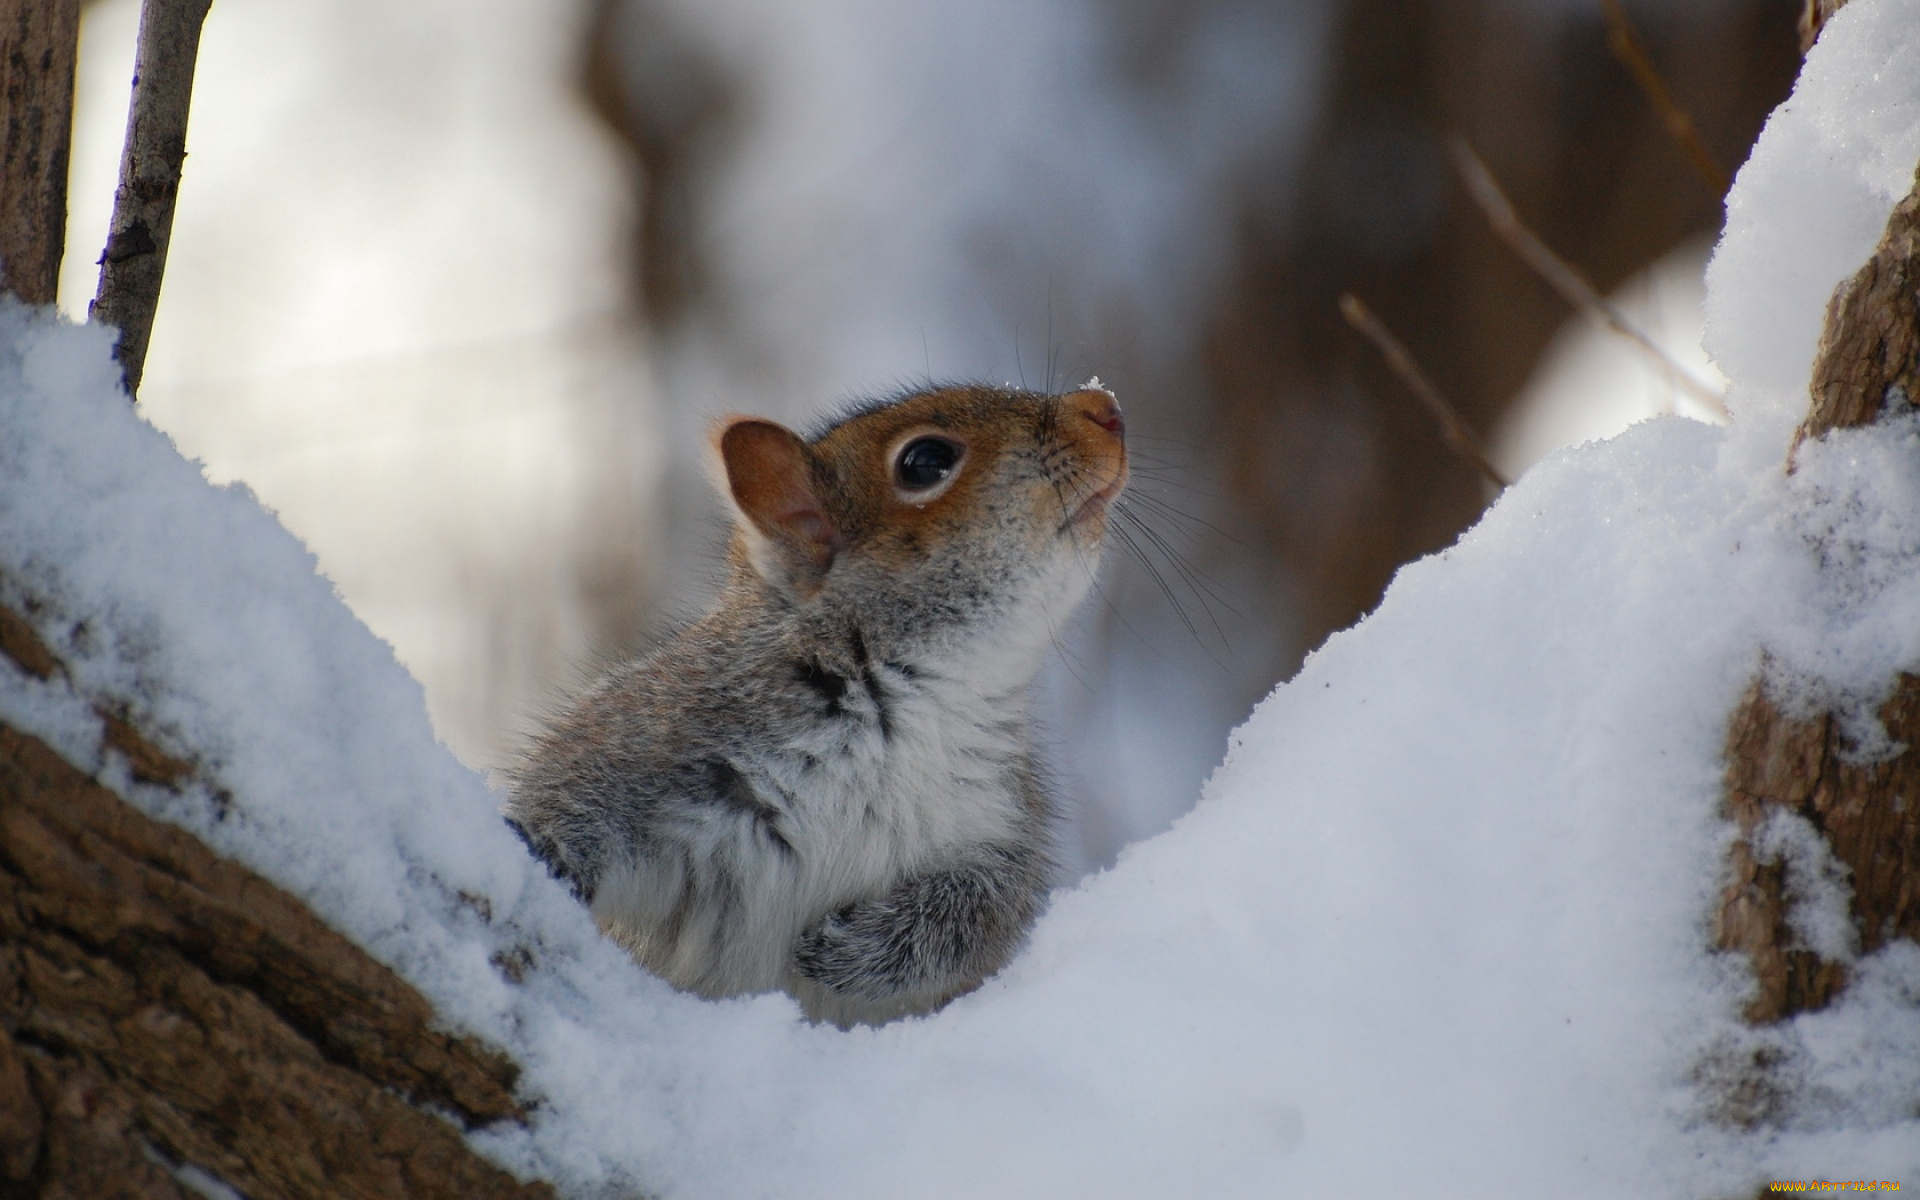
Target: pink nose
(1101, 409)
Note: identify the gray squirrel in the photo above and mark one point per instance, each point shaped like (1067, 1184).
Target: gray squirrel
(827, 785)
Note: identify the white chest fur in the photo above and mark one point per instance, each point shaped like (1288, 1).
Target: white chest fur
(918, 768)
(938, 773)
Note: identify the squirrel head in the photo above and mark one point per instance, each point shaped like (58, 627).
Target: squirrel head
(940, 508)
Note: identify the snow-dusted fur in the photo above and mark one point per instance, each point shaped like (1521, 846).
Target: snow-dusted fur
(827, 785)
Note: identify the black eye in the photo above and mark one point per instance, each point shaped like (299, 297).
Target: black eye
(925, 462)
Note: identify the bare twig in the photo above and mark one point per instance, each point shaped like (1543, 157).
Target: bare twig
(136, 255)
(38, 39)
(1454, 428)
(1628, 48)
(1561, 275)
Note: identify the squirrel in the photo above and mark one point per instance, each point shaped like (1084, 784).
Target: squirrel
(827, 785)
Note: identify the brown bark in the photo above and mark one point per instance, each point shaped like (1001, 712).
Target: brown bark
(38, 39)
(162, 1007)
(1865, 367)
(1777, 764)
(1868, 350)
(135, 259)
(1816, 15)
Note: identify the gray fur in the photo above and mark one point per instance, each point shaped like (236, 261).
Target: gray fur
(835, 794)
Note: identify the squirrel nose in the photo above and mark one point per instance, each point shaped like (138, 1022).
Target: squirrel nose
(1100, 408)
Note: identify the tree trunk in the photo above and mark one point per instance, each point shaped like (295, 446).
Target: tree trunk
(38, 39)
(169, 1019)
(1866, 366)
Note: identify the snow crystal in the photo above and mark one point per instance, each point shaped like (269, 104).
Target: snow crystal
(1439, 925)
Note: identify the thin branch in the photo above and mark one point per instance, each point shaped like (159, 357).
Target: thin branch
(1632, 53)
(38, 40)
(1454, 428)
(135, 259)
(1561, 275)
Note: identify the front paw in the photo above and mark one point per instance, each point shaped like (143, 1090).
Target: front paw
(849, 952)
(822, 953)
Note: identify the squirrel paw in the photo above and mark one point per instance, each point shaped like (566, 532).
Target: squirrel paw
(851, 952)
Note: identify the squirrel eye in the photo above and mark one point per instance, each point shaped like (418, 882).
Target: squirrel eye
(926, 461)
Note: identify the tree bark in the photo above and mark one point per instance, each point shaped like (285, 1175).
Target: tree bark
(1817, 14)
(1866, 366)
(135, 259)
(167, 1017)
(1867, 358)
(38, 39)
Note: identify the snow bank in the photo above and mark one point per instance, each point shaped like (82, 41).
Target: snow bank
(1438, 926)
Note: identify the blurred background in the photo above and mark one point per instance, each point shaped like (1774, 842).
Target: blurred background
(456, 287)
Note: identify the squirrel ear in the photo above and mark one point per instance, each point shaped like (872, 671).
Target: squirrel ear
(770, 476)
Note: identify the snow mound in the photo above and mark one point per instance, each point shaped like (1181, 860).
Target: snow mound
(1438, 926)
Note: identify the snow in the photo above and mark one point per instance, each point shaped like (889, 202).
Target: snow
(1438, 926)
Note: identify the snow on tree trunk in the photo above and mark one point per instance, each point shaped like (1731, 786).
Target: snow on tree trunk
(1868, 365)
(160, 1005)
